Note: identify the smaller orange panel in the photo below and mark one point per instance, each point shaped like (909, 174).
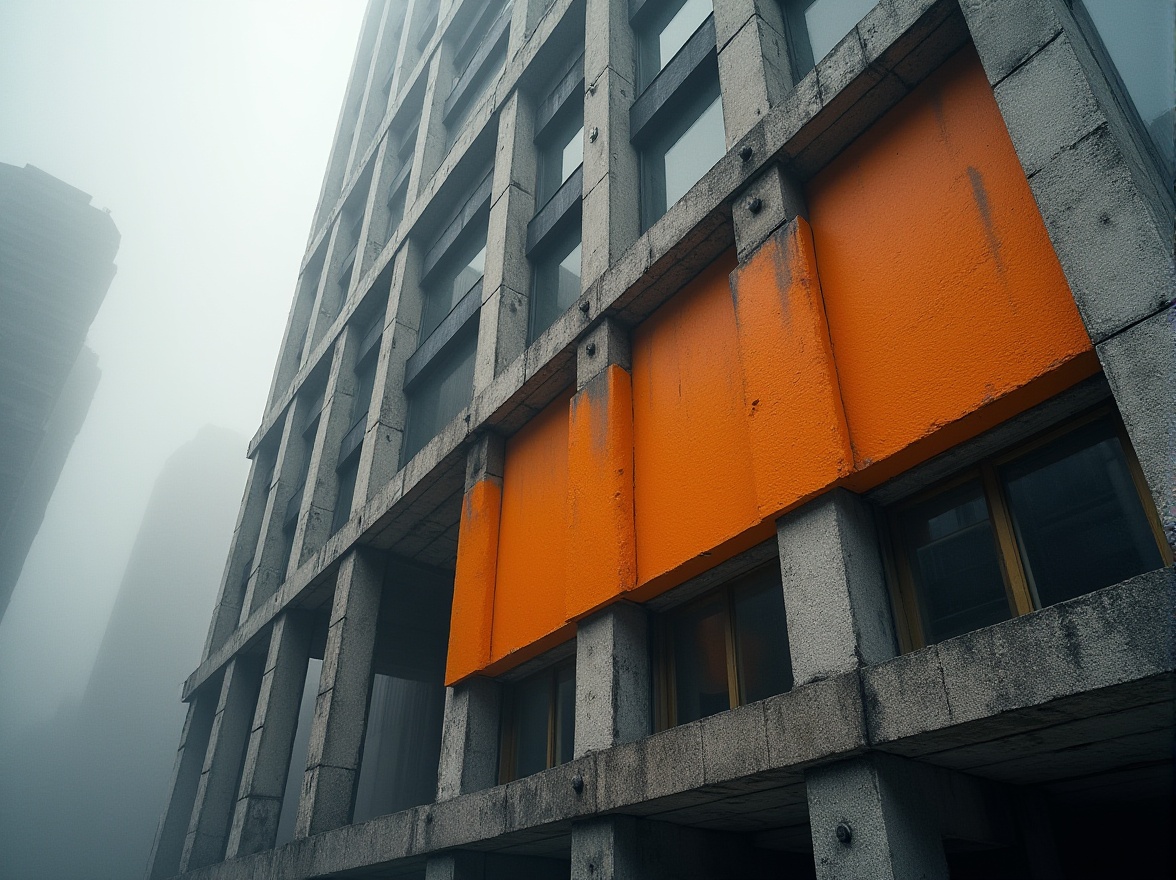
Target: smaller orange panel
(602, 555)
(796, 426)
(473, 582)
(693, 483)
(530, 586)
(942, 290)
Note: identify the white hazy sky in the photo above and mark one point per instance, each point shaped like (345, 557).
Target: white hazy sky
(204, 127)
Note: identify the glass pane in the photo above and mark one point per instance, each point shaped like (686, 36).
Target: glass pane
(1079, 519)
(401, 746)
(951, 549)
(830, 20)
(562, 149)
(573, 154)
(443, 393)
(665, 38)
(532, 700)
(1140, 37)
(762, 659)
(297, 769)
(699, 638)
(347, 476)
(565, 713)
(557, 282)
(459, 270)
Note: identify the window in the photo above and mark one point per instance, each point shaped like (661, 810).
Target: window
(554, 233)
(288, 815)
(347, 469)
(294, 502)
(539, 722)
(1136, 41)
(398, 190)
(725, 649)
(1061, 516)
(816, 26)
(479, 53)
(677, 120)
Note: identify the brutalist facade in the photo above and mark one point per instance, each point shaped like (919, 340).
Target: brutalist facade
(711, 440)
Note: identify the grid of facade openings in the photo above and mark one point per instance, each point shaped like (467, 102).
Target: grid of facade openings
(494, 166)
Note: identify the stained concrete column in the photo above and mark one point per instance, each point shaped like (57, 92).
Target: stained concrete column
(173, 825)
(275, 721)
(217, 789)
(469, 738)
(765, 204)
(754, 70)
(456, 866)
(606, 848)
(835, 594)
(340, 712)
(611, 209)
(612, 678)
(502, 322)
(870, 818)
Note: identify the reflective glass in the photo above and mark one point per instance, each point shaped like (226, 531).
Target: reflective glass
(761, 637)
(557, 281)
(828, 21)
(442, 393)
(1140, 38)
(951, 549)
(460, 269)
(1078, 517)
(297, 769)
(699, 638)
(686, 150)
(561, 150)
(532, 701)
(665, 37)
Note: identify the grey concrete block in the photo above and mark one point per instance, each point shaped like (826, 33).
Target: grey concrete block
(612, 678)
(769, 201)
(734, 743)
(610, 344)
(753, 73)
(815, 722)
(469, 738)
(461, 821)
(606, 848)
(326, 801)
(1008, 32)
(552, 795)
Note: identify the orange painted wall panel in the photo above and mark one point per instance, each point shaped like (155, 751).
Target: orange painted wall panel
(529, 587)
(691, 456)
(473, 582)
(941, 287)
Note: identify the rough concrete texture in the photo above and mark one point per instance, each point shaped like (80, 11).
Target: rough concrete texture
(610, 344)
(768, 202)
(173, 825)
(834, 591)
(469, 738)
(612, 678)
(870, 818)
(1140, 364)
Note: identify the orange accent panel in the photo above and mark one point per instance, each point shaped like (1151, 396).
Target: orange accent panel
(532, 542)
(473, 582)
(942, 290)
(602, 554)
(692, 464)
(792, 405)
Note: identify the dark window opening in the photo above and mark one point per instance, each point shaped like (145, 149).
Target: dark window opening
(539, 721)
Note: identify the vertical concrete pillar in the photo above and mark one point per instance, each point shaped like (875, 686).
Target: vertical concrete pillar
(769, 201)
(456, 866)
(373, 104)
(834, 590)
(612, 678)
(430, 145)
(267, 757)
(469, 738)
(871, 818)
(502, 322)
(611, 207)
(407, 53)
(754, 71)
(213, 806)
(340, 712)
(168, 846)
(606, 848)
(327, 298)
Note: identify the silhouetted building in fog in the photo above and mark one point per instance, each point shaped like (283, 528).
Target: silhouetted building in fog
(103, 765)
(56, 263)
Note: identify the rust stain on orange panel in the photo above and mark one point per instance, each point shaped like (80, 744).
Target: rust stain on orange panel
(792, 404)
(942, 290)
(601, 558)
(473, 582)
(532, 543)
(693, 483)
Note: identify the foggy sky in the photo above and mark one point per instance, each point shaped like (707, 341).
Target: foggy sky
(204, 128)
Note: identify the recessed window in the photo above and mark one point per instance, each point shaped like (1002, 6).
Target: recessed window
(445, 387)
(683, 152)
(664, 35)
(561, 149)
(539, 715)
(556, 284)
(1060, 517)
(726, 649)
(816, 26)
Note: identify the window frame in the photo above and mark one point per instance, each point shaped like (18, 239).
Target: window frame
(903, 591)
(509, 727)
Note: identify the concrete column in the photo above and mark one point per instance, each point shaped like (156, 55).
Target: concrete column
(217, 789)
(340, 712)
(606, 848)
(871, 819)
(502, 322)
(469, 738)
(456, 866)
(329, 297)
(275, 721)
(173, 825)
(297, 327)
(611, 187)
(612, 678)
(835, 595)
(407, 54)
(754, 70)
(769, 201)
(373, 105)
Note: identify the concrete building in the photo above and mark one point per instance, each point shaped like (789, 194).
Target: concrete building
(56, 264)
(712, 440)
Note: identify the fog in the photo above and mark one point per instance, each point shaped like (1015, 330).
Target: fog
(204, 128)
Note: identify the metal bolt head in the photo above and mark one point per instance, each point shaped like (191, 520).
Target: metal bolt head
(755, 205)
(593, 134)
(591, 349)
(578, 783)
(745, 153)
(844, 833)
(584, 306)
